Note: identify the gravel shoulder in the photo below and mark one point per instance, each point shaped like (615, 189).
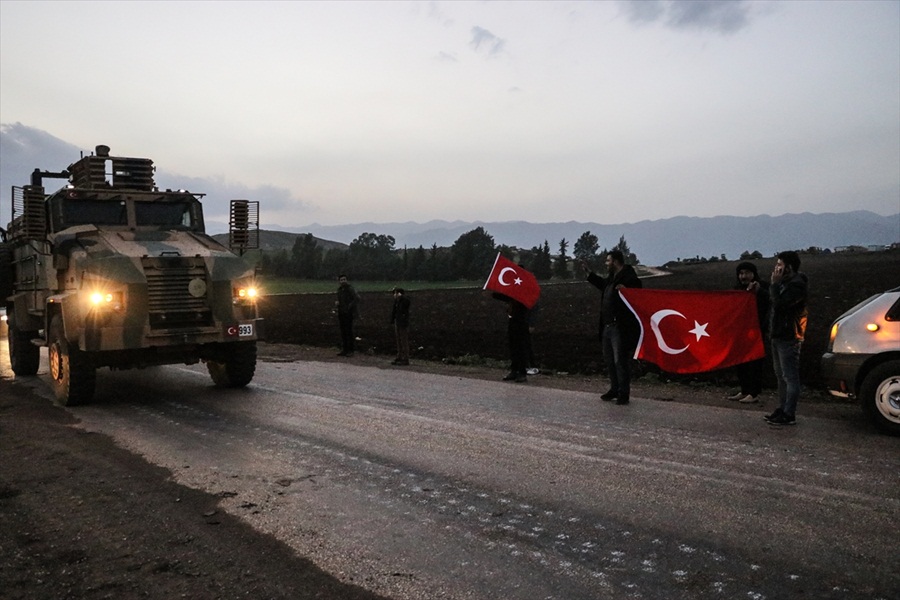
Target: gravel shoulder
(813, 403)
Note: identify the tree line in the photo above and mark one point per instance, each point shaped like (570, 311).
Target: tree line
(373, 257)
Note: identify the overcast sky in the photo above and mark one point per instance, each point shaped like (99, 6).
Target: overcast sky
(343, 112)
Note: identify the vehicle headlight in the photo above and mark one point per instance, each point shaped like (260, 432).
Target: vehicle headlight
(832, 336)
(245, 294)
(103, 300)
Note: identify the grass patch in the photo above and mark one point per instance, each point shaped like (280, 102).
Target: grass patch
(290, 285)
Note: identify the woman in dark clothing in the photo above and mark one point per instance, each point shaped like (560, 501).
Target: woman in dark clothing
(750, 374)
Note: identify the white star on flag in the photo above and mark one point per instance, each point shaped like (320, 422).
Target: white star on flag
(517, 281)
(699, 330)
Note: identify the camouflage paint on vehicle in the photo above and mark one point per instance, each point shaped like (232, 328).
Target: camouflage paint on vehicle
(110, 271)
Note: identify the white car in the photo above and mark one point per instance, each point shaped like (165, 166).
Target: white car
(863, 358)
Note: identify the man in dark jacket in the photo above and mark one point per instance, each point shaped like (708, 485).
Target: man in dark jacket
(619, 329)
(750, 374)
(347, 305)
(400, 321)
(519, 338)
(787, 327)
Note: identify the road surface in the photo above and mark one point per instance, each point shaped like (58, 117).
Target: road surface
(424, 485)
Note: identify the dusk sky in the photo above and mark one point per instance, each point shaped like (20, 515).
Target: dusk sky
(344, 112)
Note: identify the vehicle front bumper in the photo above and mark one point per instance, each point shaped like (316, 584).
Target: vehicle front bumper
(839, 372)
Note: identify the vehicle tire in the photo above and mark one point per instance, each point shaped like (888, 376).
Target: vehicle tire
(237, 368)
(24, 357)
(880, 396)
(71, 373)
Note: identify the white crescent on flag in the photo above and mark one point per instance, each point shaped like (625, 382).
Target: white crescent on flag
(655, 320)
(502, 273)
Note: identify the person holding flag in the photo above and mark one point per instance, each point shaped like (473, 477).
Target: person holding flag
(619, 330)
(517, 287)
(750, 373)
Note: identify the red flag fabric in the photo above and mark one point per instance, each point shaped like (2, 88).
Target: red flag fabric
(510, 279)
(694, 332)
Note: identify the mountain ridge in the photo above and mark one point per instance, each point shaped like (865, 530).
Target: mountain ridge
(655, 242)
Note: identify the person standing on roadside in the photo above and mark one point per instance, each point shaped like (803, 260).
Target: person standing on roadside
(518, 337)
(347, 305)
(788, 293)
(619, 329)
(750, 374)
(400, 321)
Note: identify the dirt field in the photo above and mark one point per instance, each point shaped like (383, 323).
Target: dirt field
(466, 325)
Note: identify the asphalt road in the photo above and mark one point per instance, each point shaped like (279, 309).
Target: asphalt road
(432, 486)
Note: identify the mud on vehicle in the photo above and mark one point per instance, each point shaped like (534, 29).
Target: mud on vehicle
(110, 271)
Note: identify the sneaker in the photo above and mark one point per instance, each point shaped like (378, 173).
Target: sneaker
(748, 399)
(736, 396)
(774, 415)
(533, 371)
(622, 401)
(783, 419)
(610, 395)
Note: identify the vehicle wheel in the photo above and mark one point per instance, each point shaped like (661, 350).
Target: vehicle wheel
(71, 373)
(24, 357)
(238, 367)
(880, 395)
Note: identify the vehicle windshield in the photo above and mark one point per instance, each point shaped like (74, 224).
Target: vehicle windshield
(94, 212)
(163, 214)
(174, 214)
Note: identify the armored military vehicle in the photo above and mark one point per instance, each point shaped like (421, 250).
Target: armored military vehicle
(110, 271)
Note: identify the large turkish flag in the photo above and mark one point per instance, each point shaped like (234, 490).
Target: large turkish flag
(693, 332)
(510, 279)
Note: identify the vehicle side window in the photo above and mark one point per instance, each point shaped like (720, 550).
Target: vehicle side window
(893, 313)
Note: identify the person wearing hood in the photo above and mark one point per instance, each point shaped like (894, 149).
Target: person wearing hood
(788, 293)
(750, 374)
(347, 307)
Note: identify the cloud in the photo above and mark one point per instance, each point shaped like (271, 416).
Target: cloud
(722, 16)
(24, 148)
(485, 41)
(446, 57)
(219, 192)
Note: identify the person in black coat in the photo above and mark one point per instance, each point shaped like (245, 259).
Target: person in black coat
(400, 321)
(519, 338)
(619, 329)
(750, 374)
(347, 307)
(788, 314)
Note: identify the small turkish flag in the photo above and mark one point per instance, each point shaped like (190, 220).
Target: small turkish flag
(511, 280)
(693, 332)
